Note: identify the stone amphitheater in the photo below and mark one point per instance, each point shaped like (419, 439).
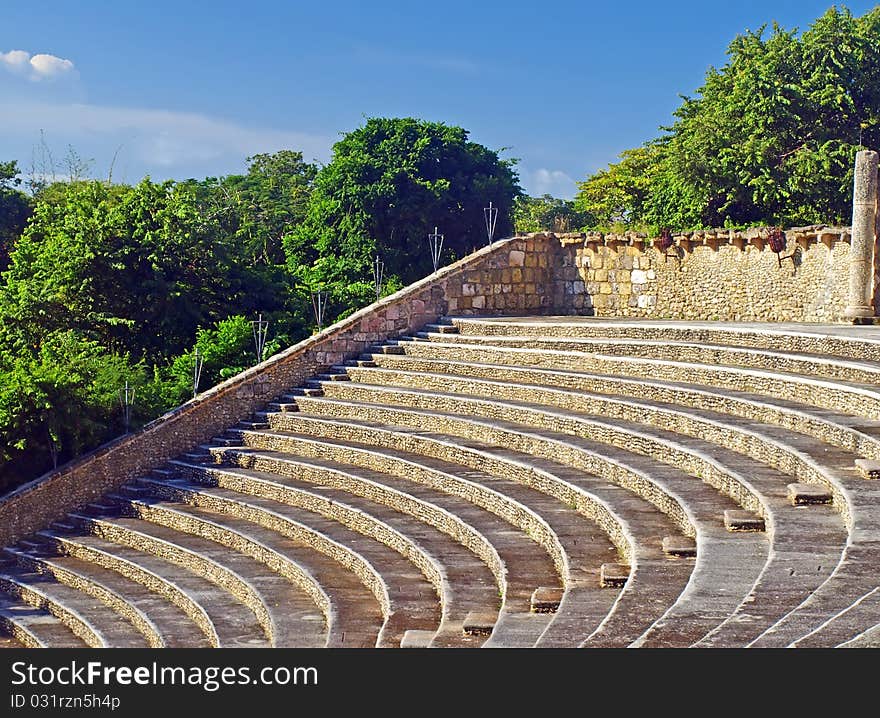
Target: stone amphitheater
(493, 458)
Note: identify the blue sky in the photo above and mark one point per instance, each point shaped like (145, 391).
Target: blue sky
(191, 88)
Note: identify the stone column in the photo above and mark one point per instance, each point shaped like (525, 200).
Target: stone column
(861, 263)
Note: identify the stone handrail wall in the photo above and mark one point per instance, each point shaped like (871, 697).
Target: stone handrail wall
(511, 276)
(718, 274)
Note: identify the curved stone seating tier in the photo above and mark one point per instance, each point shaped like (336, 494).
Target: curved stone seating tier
(519, 564)
(32, 627)
(844, 431)
(408, 599)
(574, 544)
(160, 622)
(788, 337)
(644, 525)
(461, 577)
(498, 482)
(713, 541)
(693, 455)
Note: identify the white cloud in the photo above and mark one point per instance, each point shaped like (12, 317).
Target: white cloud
(553, 182)
(165, 142)
(36, 67)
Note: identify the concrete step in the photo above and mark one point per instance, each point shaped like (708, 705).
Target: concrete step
(161, 622)
(797, 337)
(577, 544)
(639, 538)
(516, 560)
(92, 621)
(234, 609)
(34, 627)
(409, 598)
(282, 406)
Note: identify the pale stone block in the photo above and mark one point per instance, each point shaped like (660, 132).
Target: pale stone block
(468, 290)
(516, 258)
(601, 275)
(478, 302)
(605, 288)
(651, 274)
(639, 276)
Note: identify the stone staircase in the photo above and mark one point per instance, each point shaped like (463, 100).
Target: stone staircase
(500, 482)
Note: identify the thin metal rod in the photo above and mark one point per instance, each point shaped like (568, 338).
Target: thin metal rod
(126, 400)
(197, 371)
(260, 329)
(378, 276)
(435, 240)
(319, 307)
(490, 215)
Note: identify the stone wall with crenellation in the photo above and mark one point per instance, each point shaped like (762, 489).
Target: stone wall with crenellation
(706, 275)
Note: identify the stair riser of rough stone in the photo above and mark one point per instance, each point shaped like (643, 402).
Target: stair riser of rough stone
(818, 366)
(533, 444)
(570, 495)
(855, 400)
(645, 573)
(497, 503)
(202, 565)
(727, 482)
(347, 557)
(140, 620)
(790, 338)
(154, 582)
(432, 515)
(801, 421)
(277, 563)
(757, 446)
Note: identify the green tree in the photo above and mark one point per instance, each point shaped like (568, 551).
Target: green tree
(534, 214)
(58, 401)
(769, 138)
(260, 208)
(614, 198)
(388, 185)
(137, 269)
(15, 209)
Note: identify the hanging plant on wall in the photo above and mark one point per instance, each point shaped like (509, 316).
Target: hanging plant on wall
(664, 243)
(776, 240)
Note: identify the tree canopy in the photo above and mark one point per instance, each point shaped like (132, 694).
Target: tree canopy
(108, 283)
(387, 186)
(769, 138)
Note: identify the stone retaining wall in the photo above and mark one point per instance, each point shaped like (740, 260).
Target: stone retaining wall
(706, 275)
